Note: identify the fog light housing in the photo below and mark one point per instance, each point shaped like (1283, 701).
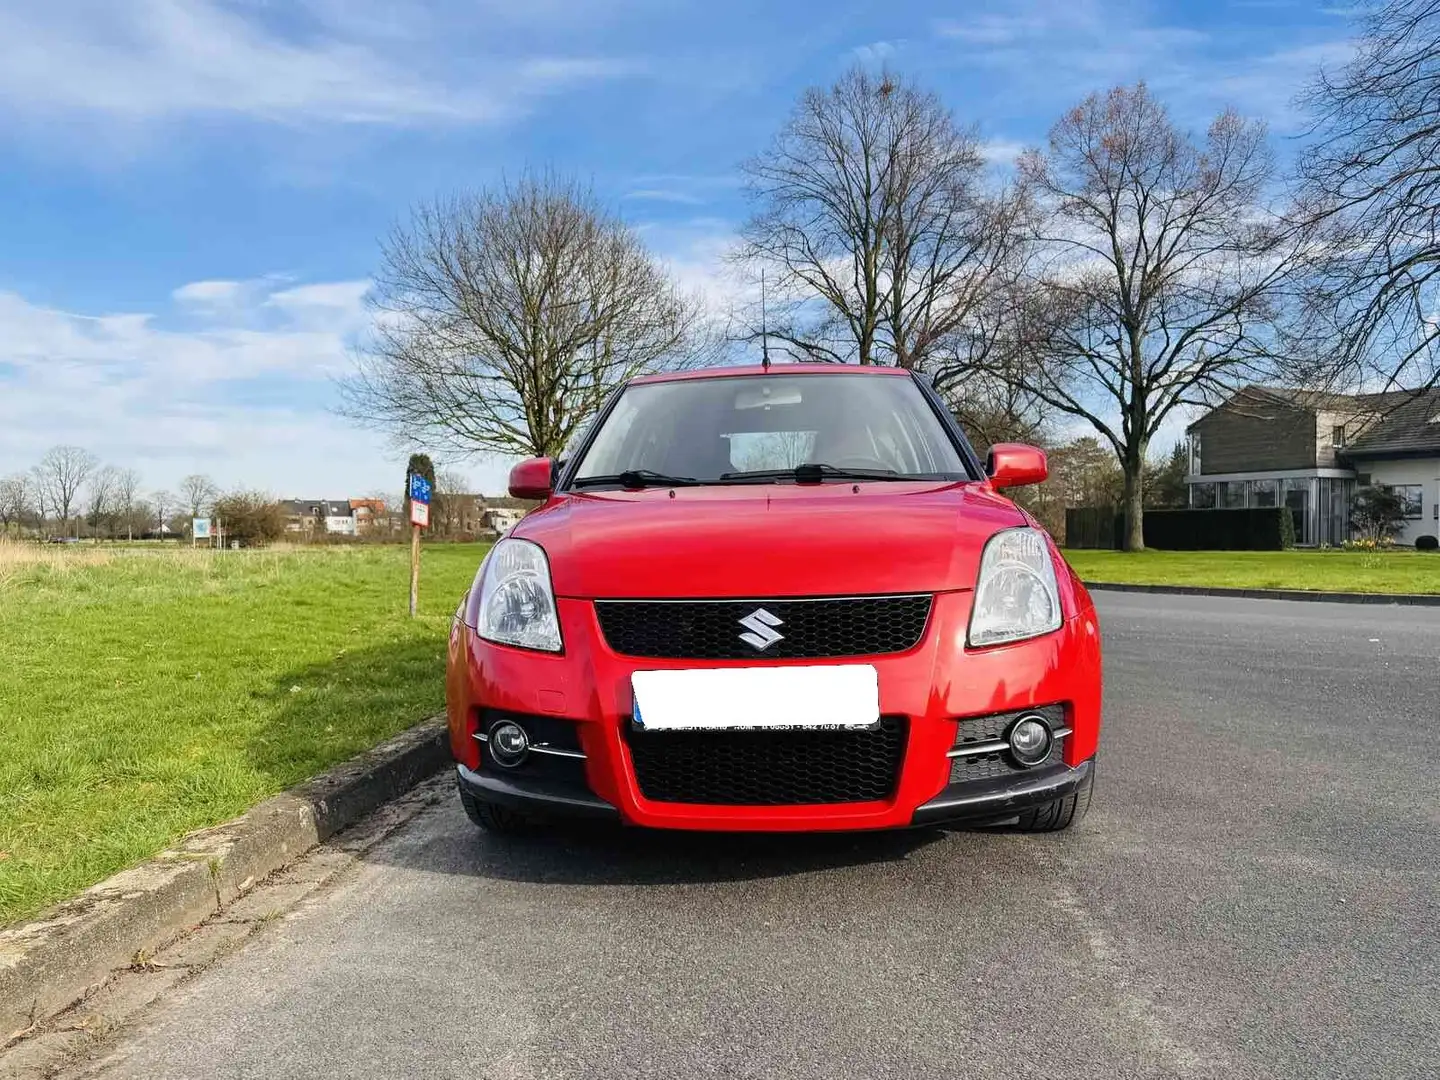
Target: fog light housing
(509, 745)
(1030, 740)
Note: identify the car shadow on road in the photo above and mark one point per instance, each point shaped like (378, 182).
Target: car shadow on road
(581, 853)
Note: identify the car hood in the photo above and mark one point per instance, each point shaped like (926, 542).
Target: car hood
(778, 540)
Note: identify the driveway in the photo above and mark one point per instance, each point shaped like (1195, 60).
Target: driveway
(1254, 893)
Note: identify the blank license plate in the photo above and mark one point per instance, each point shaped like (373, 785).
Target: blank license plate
(706, 699)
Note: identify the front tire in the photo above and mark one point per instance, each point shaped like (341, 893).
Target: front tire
(493, 818)
(1059, 814)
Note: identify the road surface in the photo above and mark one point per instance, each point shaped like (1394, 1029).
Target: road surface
(1255, 893)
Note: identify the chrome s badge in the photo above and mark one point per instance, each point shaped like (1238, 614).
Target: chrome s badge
(760, 626)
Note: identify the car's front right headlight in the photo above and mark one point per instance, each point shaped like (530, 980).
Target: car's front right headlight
(517, 601)
(1016, 596)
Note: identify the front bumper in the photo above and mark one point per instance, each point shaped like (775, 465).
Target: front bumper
(980, 802)
(933, 686)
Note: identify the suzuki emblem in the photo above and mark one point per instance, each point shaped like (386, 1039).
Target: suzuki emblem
(761, 626)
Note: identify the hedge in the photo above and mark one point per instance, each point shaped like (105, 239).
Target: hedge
(1261, 529)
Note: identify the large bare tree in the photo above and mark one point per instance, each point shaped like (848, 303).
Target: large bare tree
(505, 318)
(197, 493)
(1159, 269)
(1372, 176)
(881, 239)
(877, 230)
(61, 474)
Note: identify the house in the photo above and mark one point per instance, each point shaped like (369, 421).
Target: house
(476, 515)
(368, 513)
(319, 515)
(1309, 451)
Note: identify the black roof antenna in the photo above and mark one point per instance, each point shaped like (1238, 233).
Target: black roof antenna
(764, 330)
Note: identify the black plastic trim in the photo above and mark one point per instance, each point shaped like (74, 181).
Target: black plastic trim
(1002, 796)
(534, 795)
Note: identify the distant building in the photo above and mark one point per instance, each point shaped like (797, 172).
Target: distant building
(470, 515)
(319, 515)
(367, 513)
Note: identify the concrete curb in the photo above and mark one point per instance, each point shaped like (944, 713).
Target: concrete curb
(48, 964)
(1410, 599)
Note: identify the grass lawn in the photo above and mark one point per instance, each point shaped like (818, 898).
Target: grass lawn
(1329, 571)
(144, 694)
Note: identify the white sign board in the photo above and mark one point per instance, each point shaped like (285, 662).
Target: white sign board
(200, 528)
(419, 514)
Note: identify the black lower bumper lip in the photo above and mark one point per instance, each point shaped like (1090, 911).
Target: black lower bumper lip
(535, 795)
(1002, 797)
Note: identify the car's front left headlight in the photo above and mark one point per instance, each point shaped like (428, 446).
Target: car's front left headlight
(517, 602)
(1016, 596)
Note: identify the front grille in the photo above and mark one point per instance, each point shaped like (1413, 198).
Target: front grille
(980, 729)
(806, 629)
(769, 768)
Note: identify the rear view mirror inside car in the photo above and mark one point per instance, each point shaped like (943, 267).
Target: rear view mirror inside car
(762, 397)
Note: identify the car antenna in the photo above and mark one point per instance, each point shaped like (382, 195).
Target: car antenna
(764, 335)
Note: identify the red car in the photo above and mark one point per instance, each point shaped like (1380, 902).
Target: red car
(784, 598)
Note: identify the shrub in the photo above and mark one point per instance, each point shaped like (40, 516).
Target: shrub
(1376, 513)
(1427, 543)
(250, 517)
(1269, 528)
(1259, 529)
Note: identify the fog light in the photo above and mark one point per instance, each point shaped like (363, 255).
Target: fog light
(1030, 740)
(509, 745)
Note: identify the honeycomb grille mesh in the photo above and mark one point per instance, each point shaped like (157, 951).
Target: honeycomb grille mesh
(712, 629)
(769, 768)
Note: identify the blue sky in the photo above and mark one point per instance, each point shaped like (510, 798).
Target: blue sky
(191, 190)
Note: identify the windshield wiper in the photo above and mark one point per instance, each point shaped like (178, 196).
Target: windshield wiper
(635, 478)
(814, 473)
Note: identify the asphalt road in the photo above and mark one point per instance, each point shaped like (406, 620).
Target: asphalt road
(1254, 894)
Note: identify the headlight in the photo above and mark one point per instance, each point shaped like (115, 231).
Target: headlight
(1016, 596)
(517, 604)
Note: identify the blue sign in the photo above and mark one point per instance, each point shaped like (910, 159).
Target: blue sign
(419, 489)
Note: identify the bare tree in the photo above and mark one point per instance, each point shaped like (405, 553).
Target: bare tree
(198, 493)
(1159, 270)
(876, 228)
(505, 318)
(162, 505)
(61, 474)
(127, 489)
(447, 503)
(15, 501)
(100, 504)
(1372, 176)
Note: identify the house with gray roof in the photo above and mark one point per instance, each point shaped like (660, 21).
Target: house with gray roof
(1309, 451)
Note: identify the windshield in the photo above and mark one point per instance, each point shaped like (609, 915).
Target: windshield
(758, 427)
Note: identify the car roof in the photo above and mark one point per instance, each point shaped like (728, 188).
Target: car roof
(760, 371)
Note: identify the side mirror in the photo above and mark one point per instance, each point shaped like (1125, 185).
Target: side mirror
(1015, 464)
(532, 479)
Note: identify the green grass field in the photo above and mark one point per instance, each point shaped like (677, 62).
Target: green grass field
(1328, 571)
(144, 694)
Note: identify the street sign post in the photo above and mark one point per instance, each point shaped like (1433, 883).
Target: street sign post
(419, 490)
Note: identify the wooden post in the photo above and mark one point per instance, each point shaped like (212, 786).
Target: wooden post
(414, 567)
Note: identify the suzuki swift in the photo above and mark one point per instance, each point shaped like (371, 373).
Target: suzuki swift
(783, 598)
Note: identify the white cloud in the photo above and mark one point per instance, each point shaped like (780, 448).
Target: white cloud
(248, 405)
(1048, 53)
(663, 195)
(877, 52)
(1001, 151)
(162, 59)
(207, 292)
